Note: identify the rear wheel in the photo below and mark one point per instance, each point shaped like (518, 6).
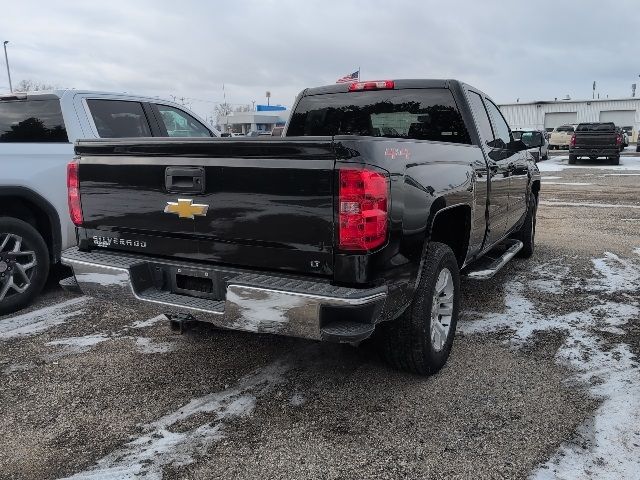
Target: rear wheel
(615, 160)
(420, 340)
(24, 264)
(572, 159)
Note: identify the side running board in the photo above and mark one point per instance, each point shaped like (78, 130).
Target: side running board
(494, 260)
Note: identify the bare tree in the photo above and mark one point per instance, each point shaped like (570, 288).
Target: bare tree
(222, 110)
(32, 86)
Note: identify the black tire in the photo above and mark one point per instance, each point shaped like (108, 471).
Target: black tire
(572, 159)
(615, 160)
(35, 277)
(527, 232)
(407, 341)
(545, 156)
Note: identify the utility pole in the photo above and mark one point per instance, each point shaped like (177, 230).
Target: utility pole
(6, 59)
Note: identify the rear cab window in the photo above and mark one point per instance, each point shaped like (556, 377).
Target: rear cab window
(419, 114)
(32, 120)
(119, 118)
(596, 127)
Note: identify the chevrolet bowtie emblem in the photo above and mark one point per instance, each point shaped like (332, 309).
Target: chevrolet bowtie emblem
(185, 208)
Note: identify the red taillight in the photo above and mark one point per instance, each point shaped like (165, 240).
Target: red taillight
(363, 201)
(373, 85)
(618, 139)
(572, 142)
(73, 192)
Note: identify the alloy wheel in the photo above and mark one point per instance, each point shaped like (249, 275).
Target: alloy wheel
(442, 309)
(17, 265)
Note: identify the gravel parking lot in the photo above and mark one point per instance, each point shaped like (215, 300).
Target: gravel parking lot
(544, 378)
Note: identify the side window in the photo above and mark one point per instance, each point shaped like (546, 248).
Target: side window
(481, 116)
(499, 124)
(181, 124)
(119, 118)
(32, 121)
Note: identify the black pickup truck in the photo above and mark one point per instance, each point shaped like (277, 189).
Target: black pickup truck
(595, 140)
(358, 221)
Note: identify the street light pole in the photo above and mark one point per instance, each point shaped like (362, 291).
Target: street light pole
(6, 59)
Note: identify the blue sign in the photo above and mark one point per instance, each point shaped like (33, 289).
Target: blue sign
(270, 108)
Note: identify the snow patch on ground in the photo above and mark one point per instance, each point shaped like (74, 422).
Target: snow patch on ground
(159, 446)
(558, 203)
(17, 367)
(550, 278)
(38, 321)
(559, 163)
(608, 444)
(612, 438)
(615, 274)
(567, 183)
(145, 345)
(150, 322)
(76, 345)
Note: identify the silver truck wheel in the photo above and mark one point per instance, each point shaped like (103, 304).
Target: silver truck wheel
(24, 264)
(442, 309)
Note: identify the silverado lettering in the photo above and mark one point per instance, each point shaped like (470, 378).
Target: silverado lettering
(108, 241)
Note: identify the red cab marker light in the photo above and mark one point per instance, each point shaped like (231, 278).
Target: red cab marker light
(371, 85)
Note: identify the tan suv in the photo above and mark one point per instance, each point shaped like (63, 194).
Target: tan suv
(560, 137)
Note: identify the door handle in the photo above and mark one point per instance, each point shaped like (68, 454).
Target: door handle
(184, 180)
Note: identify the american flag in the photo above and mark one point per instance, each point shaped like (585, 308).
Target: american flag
(352, 77)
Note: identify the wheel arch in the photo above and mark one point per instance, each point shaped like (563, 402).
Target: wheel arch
(451, 225)
(31, 207)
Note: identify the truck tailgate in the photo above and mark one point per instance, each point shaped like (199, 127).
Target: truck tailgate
(595, 139)
(255, 203)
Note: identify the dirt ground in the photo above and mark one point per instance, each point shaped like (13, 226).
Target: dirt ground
(543, 381)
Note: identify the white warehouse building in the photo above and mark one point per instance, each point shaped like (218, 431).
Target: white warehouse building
(624, 112)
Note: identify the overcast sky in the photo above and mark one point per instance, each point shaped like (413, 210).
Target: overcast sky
(510, 49)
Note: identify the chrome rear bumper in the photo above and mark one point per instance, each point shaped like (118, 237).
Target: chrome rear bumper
(252, 302)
